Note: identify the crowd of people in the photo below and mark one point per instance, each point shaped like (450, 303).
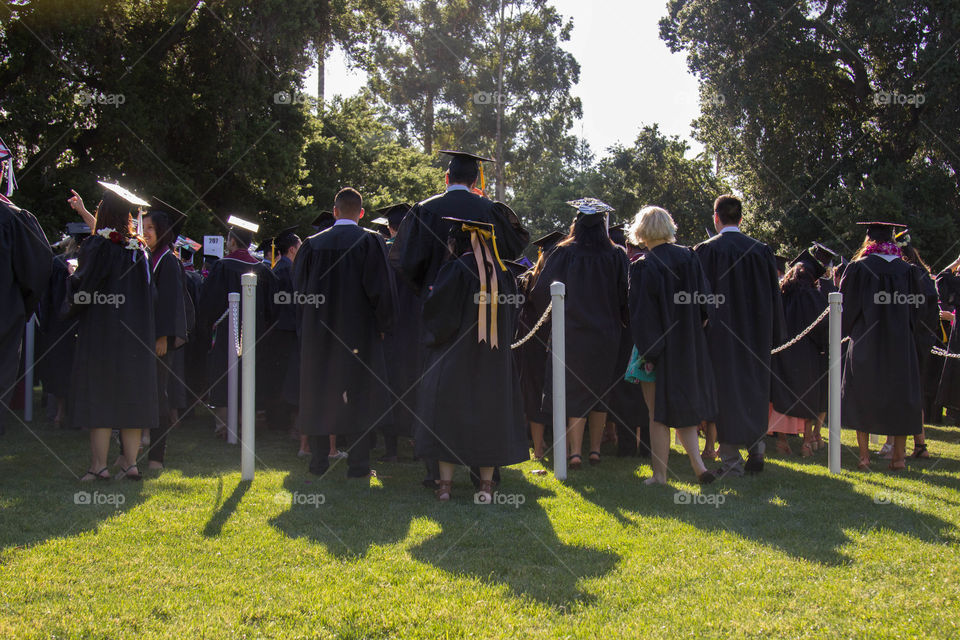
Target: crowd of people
(406, 330)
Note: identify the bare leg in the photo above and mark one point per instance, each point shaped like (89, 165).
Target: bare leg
(304, 446)
(899, 454)
(659, 438)
(809, 442)
(130, 439)
(333, 447)
(485, 494)
(691, 444)
(863, 440)
(99, 446)
(710, 446)
(444, 487)
(818, 439)
(536, 433)
(446, 471)
(598, 422)
(575, 428)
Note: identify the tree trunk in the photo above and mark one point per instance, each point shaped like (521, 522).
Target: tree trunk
(498, 173)
(428, 123)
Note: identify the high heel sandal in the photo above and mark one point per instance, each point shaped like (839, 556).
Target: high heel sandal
(920, 451)
(575, 465)
(485, 494)
(444, 490)
(594, 461)
(94, 475)
(131, 476)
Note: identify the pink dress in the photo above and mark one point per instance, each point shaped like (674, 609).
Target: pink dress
(779, 423)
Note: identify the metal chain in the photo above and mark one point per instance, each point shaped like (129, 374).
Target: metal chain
(536, 327)
(803, 333)
(937, 351)
(235, 320)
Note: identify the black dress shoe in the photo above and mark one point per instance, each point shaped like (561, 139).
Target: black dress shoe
(753, 465)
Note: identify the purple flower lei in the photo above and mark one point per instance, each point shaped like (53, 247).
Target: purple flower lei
(883, 248)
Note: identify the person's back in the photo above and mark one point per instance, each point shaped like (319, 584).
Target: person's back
(747, 323)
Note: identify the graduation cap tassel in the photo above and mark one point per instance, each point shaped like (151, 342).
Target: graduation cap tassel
(11, 179)
(273, 254)
(486, 270)
(483, 180)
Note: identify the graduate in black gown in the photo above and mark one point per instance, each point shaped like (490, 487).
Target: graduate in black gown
(948, 290)
(748, 322)
(469, 318)
(27, 263)
(115, 365)
(161, 226)
(281, 251)
(594, 271)
(669, 310)
(928, 336)
(56, 335)
(402, 349)
(796, 388)
(346, 306)
(885, 307)
(420, 248)
(532, 355)
(186, 379)
(225, 278)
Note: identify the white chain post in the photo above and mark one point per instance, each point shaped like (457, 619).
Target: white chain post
(249, 285)
(558, 350)
(233, 327)
(546, 314)
(28, 348)
(833, 406)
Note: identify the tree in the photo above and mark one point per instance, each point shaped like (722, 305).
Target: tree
(830, 111)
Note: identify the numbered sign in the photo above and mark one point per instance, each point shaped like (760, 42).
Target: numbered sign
(213, 246)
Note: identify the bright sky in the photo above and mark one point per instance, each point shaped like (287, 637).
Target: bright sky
(628, 77)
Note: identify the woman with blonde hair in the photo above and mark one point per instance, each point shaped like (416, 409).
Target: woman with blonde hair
(669, 309)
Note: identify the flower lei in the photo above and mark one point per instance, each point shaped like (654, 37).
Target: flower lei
(884, 248)
(133, 244)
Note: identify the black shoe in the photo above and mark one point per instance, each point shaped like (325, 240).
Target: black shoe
(753, 465)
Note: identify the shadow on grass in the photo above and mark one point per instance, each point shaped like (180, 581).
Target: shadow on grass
(511, 544)
(223, 510)
(804, 515)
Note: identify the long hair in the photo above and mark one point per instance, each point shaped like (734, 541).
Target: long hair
(113, 212)
(161, 225)
(911, 255)
(589, 232)
(797, 277)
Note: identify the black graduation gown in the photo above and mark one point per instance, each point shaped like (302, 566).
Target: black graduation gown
(115, 364)
(744, 328)
(881, 374)
(948, 288)
(596, 314)
(668, 330)
(194, 353)
(56, 335)
(27, 262)
(224, 279)
(531, 356)
(927, 336)
(170, 320)
(284, 382)
(469, 401)
(343, 377)
(798, 372)
(404, 360)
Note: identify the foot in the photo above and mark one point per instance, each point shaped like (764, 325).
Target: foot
(897, 465)
(920, 451)
(155, 466)
(132, 473)
(818, 443)
(706, 477)
(92, 475)
(864, 464)
(784, 448)
(594, 458)
(484, 494)
(753, 465)
(807, 448)
(709, 454)
(337, 455)
(886, 451)
(575, 462)
(444, 489)
(304, 453)
(655, 480)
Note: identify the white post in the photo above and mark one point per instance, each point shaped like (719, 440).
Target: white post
(833, 406)
(558, 348)
(233, 311)
(28, 369)
(249, 283)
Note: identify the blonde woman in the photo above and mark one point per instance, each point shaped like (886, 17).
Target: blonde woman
(670, 304)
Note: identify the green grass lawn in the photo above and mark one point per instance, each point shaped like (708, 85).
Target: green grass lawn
(196, 553)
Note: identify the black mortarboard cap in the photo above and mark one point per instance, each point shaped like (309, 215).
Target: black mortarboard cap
(617, 235)
(463, 155)
(550, 240)
(881, 231)
(176, 217)
(808, 260)
(823, 253)
(78, 229)
(243, 229)
(324, 221)
(394, 213)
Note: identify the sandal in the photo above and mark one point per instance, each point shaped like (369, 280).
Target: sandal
(485, 494)
(886, 451)
(784, 448)
(710, 455)
(897, 466)
(920, 451)
(706, 477)
(131, 476)
(818, 443)
(594, 461)
(864, 464)
(94, 475)
(575, 465)
(806, 449)
(444, 490)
